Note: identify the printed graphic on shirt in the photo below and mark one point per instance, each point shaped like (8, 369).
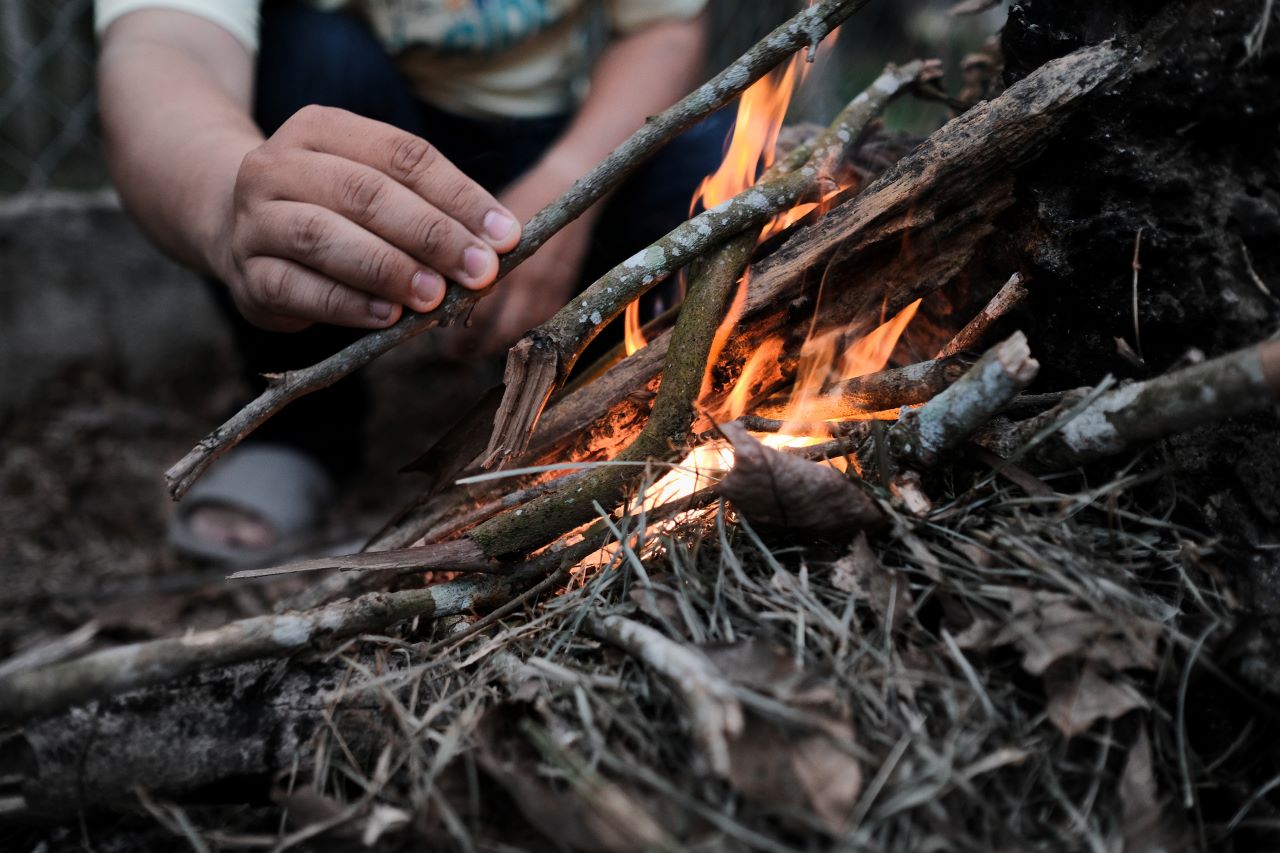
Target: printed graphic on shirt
(466, 27)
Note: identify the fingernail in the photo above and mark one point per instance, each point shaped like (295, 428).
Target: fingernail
(477, 263)
(381, 309)
(428, 286)
(499, 225)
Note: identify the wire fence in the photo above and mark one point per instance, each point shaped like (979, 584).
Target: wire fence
(48, 129)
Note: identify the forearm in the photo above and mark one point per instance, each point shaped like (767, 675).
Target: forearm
(176, 116)
(637, 76)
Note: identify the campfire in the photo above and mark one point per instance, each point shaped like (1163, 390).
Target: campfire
(847, 383)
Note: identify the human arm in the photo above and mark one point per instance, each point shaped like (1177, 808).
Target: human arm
(638, 75)
(335, 218)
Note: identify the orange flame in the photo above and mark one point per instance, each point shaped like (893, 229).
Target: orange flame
(632, 329)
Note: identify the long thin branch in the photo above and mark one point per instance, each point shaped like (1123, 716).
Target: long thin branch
(540, 362)
(44, 691)
(807, 28)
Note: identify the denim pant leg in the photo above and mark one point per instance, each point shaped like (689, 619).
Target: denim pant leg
(331, 59)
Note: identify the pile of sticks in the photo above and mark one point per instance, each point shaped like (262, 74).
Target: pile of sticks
(515, 537)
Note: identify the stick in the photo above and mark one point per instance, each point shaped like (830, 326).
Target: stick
(716, 713)
(1228, 386)
(923, 435)
(807, 28)
(541, 361)
(1006, 299)
(875, 392)
(45, 691)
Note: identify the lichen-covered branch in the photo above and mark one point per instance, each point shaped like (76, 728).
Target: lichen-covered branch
(923, 435)
(50, 689)
(1142, 412)
(541, 361)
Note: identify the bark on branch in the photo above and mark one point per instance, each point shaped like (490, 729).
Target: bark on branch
(807, 28)
(923, 435)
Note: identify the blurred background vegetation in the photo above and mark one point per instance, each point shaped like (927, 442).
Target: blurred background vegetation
(48, 130)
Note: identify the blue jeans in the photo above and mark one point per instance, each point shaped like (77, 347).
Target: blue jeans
(332, 59)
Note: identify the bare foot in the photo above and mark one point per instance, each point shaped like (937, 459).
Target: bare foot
(229, 527)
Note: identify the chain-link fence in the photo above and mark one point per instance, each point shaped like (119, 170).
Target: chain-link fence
(48, 129)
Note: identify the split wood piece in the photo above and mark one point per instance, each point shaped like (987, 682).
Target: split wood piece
(48, 690)
(807, 28)
(874, 392)
(772, 487)
(923, 435)
(665, 432)
(907, 234)
(541, 361)
(1006, 299)
(716, 714)
(1236, 384)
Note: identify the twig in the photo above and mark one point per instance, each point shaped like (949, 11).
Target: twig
(541, 361)
(716, 713)
(875, 392)
(924, 434)
(806, 28)
(1006, 299)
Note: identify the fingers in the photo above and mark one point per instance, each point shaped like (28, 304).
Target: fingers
(284, 296)
(342, 251)
(386, 208)
(410, 161)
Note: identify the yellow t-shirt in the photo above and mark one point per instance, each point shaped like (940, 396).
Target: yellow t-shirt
(485, 58)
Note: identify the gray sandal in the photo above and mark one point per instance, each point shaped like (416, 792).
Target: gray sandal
(277, 484)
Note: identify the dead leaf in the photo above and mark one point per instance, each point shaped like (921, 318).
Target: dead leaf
(1048, 628)
(785, 774)
(886, 590)
(771, 487)
(1078, 698)
(611, 818)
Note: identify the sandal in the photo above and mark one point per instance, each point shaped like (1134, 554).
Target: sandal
(284, 488)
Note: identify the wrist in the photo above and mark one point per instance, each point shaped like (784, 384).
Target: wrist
(215, 212)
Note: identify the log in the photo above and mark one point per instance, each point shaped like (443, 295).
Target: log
(808, 27)
(222, 734)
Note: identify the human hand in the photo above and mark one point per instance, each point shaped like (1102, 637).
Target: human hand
(344, 220)
(534, 291)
